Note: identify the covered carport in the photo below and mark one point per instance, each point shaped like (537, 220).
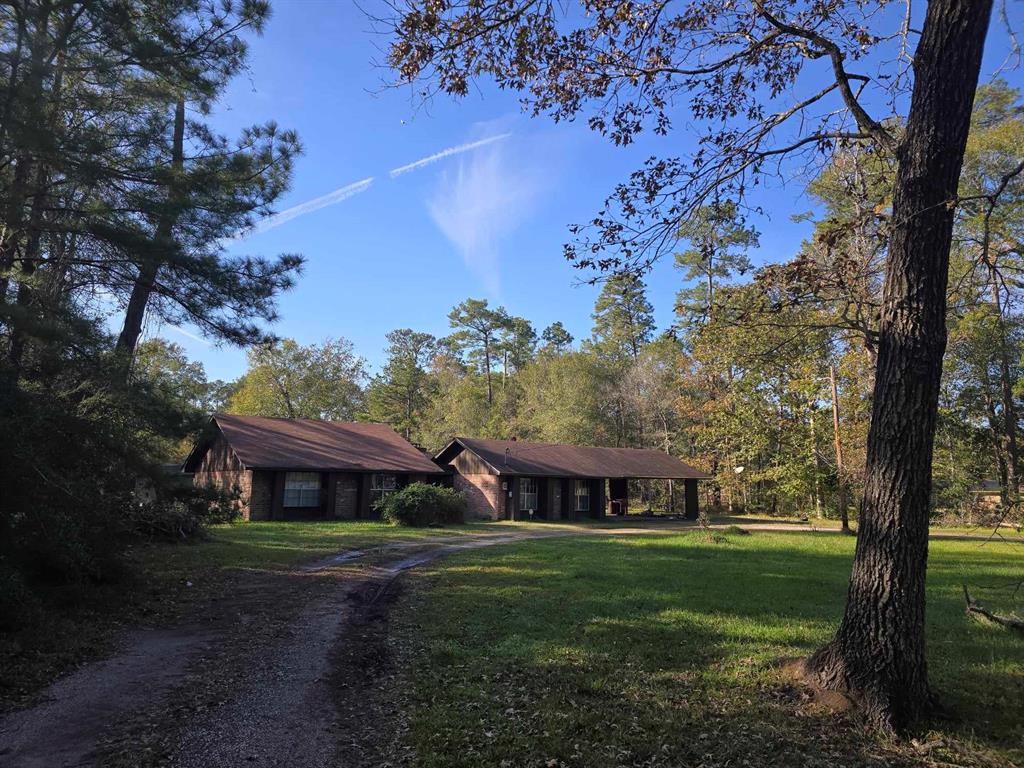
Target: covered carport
(516, 480)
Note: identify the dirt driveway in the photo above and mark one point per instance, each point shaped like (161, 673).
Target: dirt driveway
(266, 677)
(286, 671)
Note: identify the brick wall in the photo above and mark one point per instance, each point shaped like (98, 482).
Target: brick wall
(228, 481)
(483, 496)
(222, 470)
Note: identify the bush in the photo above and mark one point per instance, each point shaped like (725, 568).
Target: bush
(181, 513)
(78, 444)
(422, 504)
(18, 604)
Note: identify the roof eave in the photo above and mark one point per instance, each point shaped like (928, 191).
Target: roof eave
(465, 447)
(353, 470)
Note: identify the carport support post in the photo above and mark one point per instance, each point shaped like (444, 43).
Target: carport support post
(691, 499)
(618, 490)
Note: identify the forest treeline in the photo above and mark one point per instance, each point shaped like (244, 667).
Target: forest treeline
(742, 383)
(116, 196)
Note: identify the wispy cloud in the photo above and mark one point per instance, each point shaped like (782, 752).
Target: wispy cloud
(447, 153)
(189, 335)
(331, 198)
(480, 202)
(344, 193)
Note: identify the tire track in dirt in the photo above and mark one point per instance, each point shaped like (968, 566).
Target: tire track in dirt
(249, 684)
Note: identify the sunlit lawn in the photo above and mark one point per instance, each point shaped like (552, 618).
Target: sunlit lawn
(1007, 532)
(278, 544)
(661, 651)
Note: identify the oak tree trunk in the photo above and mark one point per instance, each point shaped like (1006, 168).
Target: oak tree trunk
(878, 654)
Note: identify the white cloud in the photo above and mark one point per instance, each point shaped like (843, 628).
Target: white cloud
(447, 153)
(189, 335)
(331, 198)
(480, 202)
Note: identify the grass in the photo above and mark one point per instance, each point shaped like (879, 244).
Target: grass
(661, 651)
(78, 623)
(276, 544)
(1005, 531)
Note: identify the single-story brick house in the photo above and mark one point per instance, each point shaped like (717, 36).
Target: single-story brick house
(510, 479)
(304, 468)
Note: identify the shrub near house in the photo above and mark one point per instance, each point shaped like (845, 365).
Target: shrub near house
(421, 504)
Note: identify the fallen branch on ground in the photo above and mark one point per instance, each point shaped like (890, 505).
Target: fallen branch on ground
(974, 609)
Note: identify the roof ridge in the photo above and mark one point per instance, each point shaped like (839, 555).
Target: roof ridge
(300, 419)
(561, 445)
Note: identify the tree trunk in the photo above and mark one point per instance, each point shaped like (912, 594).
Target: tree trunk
(40, 186)
(487, 372)
(995, 432)
(816, 461)
(1010, 486)
(878, 654)
(27, 269)
(144, 281)
(841, 500)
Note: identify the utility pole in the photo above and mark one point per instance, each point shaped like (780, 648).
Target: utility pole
(840, 476)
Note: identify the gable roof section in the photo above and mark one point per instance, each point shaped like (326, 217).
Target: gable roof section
(261, 442)
(559, 460)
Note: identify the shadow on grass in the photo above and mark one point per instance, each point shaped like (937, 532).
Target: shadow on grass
(661, 650)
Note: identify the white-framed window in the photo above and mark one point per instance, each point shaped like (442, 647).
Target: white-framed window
(528, 493)
(582, 496)
(381, 485)
(302, 489)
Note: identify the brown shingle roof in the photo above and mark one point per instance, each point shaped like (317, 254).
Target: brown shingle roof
(261, 442)
(558, 460)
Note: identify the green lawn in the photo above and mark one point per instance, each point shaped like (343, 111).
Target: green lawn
(661, 651)
(276, 544)
(1005, 531)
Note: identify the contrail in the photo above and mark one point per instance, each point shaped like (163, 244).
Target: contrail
(309, 206)
(447, 153)
(192, 336)
(354, 189)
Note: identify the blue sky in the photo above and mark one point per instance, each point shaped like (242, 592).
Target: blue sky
(485, 223)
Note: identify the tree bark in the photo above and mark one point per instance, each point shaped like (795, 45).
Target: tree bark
(150, 267)
(487, 371)
(30, 233)
(1012, 482)
(841, 501)
(816, 457)
(878, 654)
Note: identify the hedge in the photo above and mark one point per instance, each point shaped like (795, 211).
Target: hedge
(422, 504)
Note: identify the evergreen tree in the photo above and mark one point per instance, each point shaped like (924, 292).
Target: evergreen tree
(556, 338)
(517, 343)
(401, 392)
(623, 317)
(478, 330)
(719, 239)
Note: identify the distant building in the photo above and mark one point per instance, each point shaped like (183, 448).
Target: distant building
(303, 468)
(512, 479)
